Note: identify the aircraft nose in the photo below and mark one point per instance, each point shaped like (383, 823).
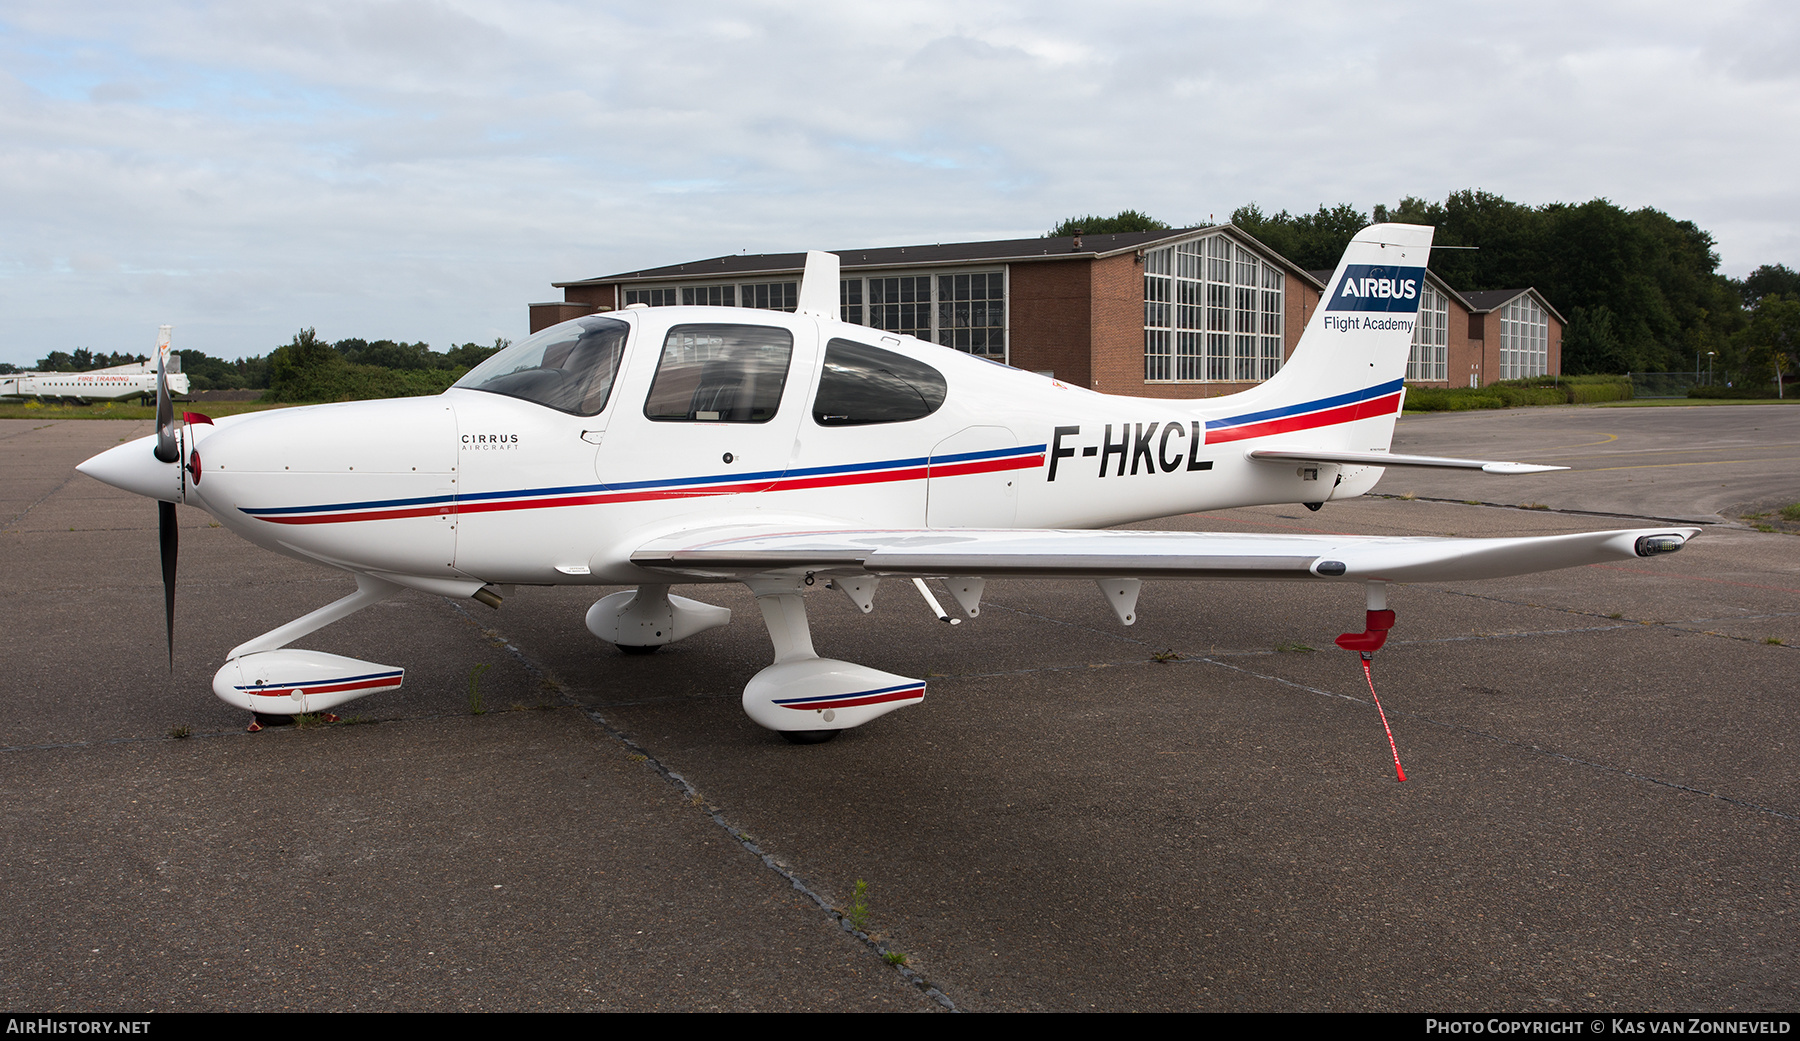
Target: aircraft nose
(133, 466)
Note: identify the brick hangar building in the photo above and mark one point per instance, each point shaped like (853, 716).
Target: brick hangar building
(1181, 314)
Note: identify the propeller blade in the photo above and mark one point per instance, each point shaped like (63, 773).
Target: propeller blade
(169, 539)
(166, 449)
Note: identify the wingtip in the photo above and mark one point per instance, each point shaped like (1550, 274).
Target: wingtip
(1518, 468)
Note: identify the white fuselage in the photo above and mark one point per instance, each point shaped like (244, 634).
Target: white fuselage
(481, 487)
(88, 386)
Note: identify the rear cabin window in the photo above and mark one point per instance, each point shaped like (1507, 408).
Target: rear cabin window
(720, 374)
(863, 385)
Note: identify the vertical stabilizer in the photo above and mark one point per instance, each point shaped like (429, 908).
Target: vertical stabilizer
(169, 362)
(1343, 386)
(819, 285)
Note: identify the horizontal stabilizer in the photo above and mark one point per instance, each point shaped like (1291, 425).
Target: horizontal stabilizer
(1308, 455)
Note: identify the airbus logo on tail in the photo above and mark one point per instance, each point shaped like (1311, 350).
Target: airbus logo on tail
(1372, 287)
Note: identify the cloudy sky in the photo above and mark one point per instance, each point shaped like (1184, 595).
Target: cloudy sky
(424, 169)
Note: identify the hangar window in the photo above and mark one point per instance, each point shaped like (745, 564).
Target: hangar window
(1524, 339)
(850, 300)
(652, 297)
(710, 296)
(965, 310)
(771, 296)
(1429, 360)
(972, 313)
(901, 305)
(568, 367)
(862, 385)
(1213, 310)
(720, 374)
(962, 309)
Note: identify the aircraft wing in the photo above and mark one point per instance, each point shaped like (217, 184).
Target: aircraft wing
(747, 551)
(1312, 455)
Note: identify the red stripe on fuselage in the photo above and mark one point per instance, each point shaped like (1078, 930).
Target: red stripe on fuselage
(910, 473)
(1382, 406)
(987, 466)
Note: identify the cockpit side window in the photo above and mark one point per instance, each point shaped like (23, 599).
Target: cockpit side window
(863, 385)
(720, 374)
(569, 367)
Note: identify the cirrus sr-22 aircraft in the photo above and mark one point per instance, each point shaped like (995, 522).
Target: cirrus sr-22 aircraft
(794, 453)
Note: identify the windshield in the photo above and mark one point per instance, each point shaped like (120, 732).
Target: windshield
(569, 367)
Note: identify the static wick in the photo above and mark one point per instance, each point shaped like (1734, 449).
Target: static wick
(1370, 676)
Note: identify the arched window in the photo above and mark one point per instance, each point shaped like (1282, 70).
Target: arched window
(1524, 339)
(1213, 310)
(1430, 357)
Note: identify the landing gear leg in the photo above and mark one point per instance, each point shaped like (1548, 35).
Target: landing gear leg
(804, 697)
(263, 676)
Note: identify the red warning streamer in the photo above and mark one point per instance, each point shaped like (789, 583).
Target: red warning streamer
(1375, 630)
(1399, 774)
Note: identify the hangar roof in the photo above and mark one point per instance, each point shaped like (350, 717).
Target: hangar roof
(1001, 251)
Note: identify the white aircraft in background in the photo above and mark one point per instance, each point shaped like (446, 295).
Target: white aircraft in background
(118, 383)
(795, 453)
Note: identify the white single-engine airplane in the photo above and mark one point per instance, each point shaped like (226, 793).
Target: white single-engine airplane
(118, 383)
(795, 452)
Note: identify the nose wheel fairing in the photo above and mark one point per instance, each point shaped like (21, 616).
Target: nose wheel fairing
(267, 677)
(292, 682)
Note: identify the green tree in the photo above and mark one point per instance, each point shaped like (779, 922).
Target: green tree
(205, 372)
(1123, 221)
(390, 355)
(470, 355)
(1312, 240)
(306, 369)
(309, 369)
(84, 360)
(1639, 289)
(1766, 352)
(1770, 278)
(1591, 344)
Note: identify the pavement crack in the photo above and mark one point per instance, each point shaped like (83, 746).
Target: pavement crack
(65, 483)
(28, 430)
(692, 797)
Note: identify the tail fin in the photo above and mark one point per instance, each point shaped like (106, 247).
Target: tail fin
(171, 362)
(819, 285)
(1342, 387)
